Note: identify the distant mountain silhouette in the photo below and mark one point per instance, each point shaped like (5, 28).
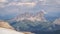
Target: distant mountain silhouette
(34, 23)
(27, 16)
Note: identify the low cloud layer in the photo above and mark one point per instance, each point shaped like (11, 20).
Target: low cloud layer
(3, 1)
(30, 4)
(18, 6)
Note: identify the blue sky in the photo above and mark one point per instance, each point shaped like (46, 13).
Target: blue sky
(15, 7)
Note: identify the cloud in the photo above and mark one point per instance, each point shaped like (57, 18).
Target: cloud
(53, 2)
(45, 12)
(25, 0)
(3, 1)
(2, 6)
(58, 1)
(23, 3)
(29, 4)
(41, 0)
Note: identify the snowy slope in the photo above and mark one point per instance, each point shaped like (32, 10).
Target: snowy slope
(9, 31)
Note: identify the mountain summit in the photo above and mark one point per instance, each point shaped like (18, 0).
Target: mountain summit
(39, 16)
(57, 21)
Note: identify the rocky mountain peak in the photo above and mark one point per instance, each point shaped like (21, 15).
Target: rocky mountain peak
(28, 16)
(57, 21)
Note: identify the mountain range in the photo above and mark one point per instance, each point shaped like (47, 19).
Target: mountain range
(39, 16)
(32, 23)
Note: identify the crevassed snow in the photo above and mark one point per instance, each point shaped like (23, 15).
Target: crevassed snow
(9, 31)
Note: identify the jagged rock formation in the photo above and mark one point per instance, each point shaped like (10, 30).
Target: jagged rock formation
(5, 25)
(57, 21)
(27, 16)
(40, 16)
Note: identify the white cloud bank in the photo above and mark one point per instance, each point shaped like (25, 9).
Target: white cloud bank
(3, 1)
(32, 4)
(26, 3)
(23, 4)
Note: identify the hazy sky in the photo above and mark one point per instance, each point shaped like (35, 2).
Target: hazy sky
(15, 7)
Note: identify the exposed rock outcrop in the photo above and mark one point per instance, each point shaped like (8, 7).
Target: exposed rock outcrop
(28, 33)
(57, 21)
(4, 24)
(27, 16)
(5, 28)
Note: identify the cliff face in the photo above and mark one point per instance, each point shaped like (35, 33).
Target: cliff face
(27, 16)
(57, 21)
(5, 25)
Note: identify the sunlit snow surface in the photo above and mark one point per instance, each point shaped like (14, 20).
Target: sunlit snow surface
(9, 31)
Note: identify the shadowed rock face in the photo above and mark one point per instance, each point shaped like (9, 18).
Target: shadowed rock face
(5, 25)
